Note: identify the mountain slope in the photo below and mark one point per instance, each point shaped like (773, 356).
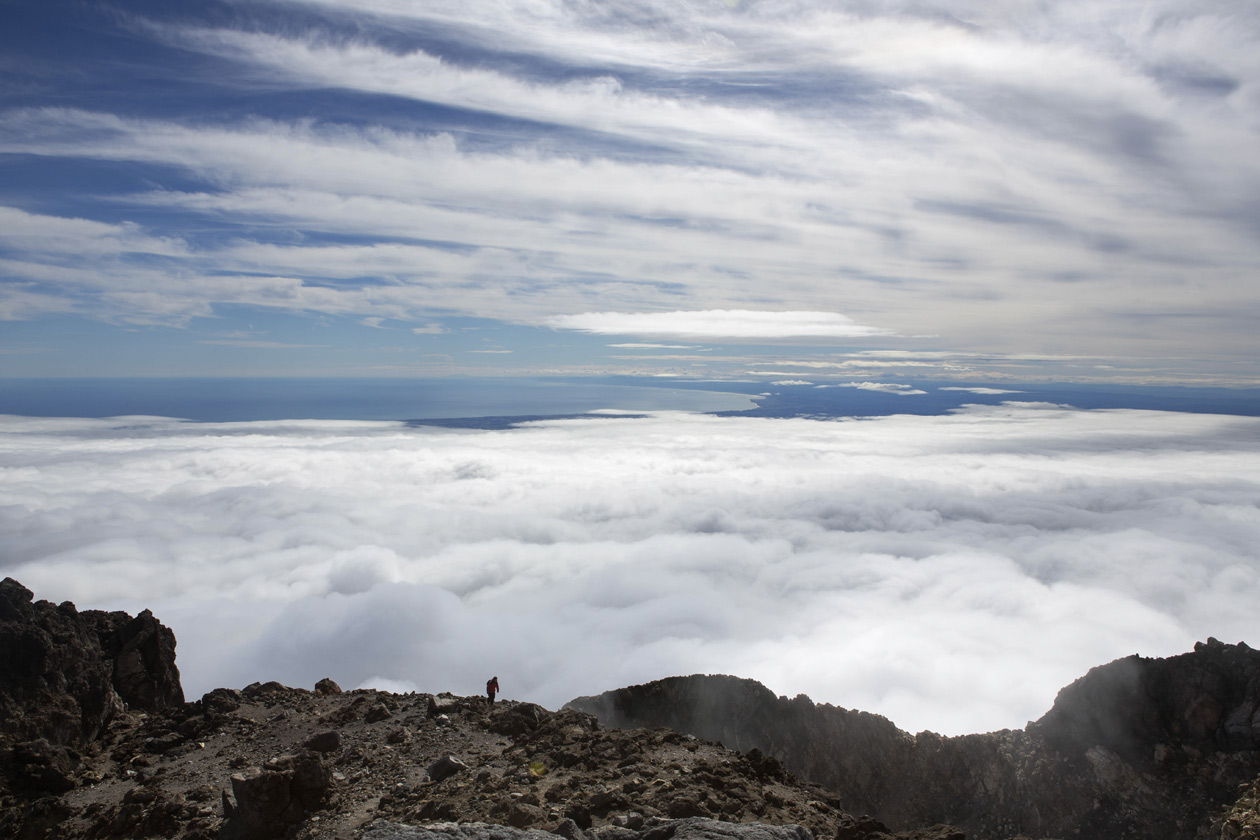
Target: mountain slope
(1143, 748)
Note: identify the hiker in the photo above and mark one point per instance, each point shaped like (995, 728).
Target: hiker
(492, 688)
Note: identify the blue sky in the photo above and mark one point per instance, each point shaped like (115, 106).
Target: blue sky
(843, 190)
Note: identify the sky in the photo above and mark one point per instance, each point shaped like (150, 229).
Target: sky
(894, 205)
(1023, 191)
(949, 572)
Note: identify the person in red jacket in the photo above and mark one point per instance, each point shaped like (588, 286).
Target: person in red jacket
(492, 688)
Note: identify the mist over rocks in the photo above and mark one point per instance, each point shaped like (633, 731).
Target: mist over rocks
(1141, 747)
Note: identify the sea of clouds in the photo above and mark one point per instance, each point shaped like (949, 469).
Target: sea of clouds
(949, 572)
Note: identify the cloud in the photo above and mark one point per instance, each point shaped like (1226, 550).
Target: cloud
(1010, 181)
(887, 387)
(952, 572)
(987, 391)
(721, 323)
(639, 345)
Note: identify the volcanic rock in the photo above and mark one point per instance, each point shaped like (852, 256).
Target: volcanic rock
(280, 794)
(444, 767)
(1158, 749)
(55, 681)
(1148, 748)
(323, 742)
(221, 701)
(142, 650)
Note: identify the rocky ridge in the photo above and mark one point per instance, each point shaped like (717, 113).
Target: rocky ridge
(1141, 748)
(97, 742)
(272, 761)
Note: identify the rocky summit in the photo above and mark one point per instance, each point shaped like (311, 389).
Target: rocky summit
(1140, 748)
(97, 741)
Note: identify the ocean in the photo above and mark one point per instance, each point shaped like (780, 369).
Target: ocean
(496, 402)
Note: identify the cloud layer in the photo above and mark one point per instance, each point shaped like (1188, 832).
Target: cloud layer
(949, 572)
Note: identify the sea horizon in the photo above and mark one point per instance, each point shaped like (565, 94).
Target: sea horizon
(449, 400)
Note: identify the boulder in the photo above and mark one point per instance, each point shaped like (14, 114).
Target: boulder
(444, 767)
(323, 742)
(220, 701)
(518, 719)
(273, 798)
(43, 767)
(442, 706)
(326, 686)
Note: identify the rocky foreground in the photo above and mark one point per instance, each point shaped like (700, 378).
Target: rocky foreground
(97, 741)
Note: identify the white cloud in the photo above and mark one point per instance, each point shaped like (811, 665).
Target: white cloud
(639, 345)
(952, 572)
(987, 391)
(887, 387)
(720, 323)
(1012, 180)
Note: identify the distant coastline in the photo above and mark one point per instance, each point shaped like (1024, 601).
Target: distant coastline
(499, 402)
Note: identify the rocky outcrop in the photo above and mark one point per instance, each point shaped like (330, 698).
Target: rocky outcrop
(64, 674)
(1242, 820)
(55, 682)
(1147, 748)
(142, 651)
(203, 771)
(96, 744)
(280, 794)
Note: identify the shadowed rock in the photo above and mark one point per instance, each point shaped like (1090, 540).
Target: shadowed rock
(276, 796)
(55, 681)
(142, 650)
(1139, 747)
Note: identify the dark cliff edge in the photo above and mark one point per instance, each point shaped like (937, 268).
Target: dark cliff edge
(1142, 748)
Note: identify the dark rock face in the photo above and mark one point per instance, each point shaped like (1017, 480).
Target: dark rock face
(143, 652)
(39, 766)
(55, 682)
(1145, 748)
(1208, 700)
(64, 674)
(280, 794)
